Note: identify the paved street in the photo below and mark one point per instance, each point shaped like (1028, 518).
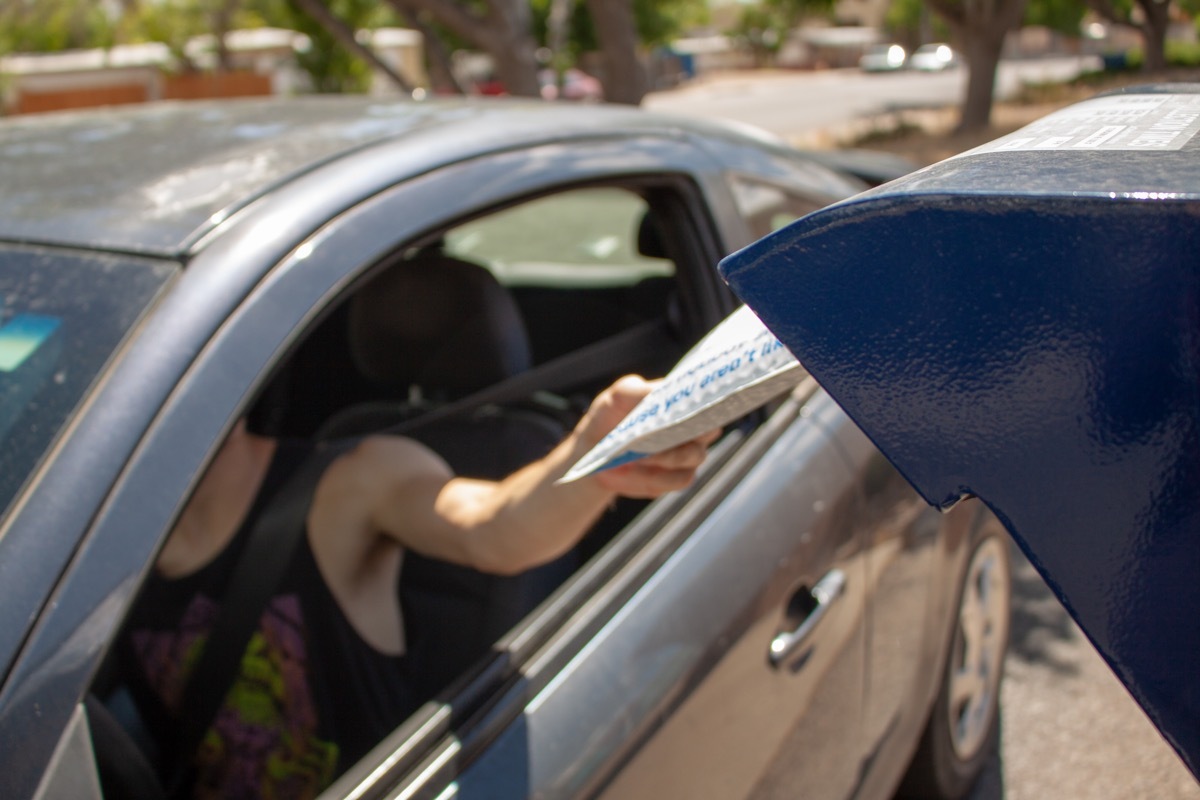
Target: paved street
(794, 104)
(1071, 731)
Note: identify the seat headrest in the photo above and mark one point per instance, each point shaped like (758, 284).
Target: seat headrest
(439, 323)
(650, 236)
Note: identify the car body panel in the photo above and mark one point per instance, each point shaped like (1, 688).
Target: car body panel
(257, 269)
(235, 354)
(632, 691)
(933, 57)
(883, 58)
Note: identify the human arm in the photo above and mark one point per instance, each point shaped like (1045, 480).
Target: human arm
(526, 519)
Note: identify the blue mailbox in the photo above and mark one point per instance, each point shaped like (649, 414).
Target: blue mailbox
(1022, 323)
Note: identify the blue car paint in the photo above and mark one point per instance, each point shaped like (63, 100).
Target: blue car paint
(1024, 326)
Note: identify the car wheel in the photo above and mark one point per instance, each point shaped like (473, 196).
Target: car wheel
(964, 725)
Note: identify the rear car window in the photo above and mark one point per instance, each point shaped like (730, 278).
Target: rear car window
(62, 316)
(585, 238)
(767, 207)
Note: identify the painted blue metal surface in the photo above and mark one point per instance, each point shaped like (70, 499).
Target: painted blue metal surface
(1022, 323)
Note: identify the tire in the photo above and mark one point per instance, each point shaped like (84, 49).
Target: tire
(964, 725)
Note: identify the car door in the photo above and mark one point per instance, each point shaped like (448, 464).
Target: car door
(673, 556)
(900, 534)
(651, 673)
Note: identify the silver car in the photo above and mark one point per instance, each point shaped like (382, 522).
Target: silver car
(798, 622)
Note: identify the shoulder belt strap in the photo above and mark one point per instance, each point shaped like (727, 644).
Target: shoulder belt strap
(260, 567)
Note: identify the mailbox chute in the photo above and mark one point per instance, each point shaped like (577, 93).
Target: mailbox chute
(1022, 323)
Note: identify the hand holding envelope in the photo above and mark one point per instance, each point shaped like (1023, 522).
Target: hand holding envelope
(737, 367)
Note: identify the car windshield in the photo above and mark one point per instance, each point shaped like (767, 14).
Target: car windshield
(62, 315)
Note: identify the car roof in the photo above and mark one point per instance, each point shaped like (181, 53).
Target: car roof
(156, 178)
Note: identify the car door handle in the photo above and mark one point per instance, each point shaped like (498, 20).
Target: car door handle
(827, 590)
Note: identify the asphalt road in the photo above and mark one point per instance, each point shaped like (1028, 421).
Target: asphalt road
(793, 104)
(1070, 730)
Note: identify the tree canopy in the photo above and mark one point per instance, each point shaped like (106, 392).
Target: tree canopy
(764, 26)
(51, 25)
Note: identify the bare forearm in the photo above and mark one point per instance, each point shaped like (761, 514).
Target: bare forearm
(526, 519)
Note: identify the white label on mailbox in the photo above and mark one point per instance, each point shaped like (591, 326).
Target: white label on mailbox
(1121, 122)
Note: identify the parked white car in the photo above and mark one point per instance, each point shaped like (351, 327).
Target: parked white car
(883, 58)
(933, 57)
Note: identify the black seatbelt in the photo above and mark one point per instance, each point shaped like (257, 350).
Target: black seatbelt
(260, 567)
(572, 369)
(275, 534)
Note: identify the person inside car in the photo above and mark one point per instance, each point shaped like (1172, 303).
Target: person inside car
(325, 675)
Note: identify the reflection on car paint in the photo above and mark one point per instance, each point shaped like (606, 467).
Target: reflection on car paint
(21, 336)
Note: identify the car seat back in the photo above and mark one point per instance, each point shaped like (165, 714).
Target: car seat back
(426, 331)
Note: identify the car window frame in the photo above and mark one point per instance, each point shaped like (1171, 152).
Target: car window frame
(422, 757)
(791, 195)
(492, 693)
(458, 741)
(235, 352)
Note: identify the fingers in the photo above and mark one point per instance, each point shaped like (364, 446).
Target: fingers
(627, 392)
(645, 482)
(659, 473)
(688, 455)
(613, 405)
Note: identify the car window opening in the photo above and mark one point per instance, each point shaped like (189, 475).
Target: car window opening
(499, 296)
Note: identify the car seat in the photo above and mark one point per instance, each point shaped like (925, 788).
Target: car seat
(429, 330)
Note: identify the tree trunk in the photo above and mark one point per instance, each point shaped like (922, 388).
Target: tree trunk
(625, 78)
(504, 33)
(437, 57)
(1153, 27)
(221, 23)
(512, 46)
(982, 52)
(1154, 33)
(343, 33)
(979, 30)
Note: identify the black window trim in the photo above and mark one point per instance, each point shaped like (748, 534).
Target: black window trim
(453, 729)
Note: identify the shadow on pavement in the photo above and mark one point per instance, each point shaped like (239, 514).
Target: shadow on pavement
(1038, 622)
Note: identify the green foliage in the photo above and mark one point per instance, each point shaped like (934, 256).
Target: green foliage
(1063, 16)
(764, 26)
(793, 12)
(1123, 8)
(174, 22)
(54, 25)
(331, 67)
(51, 25)
(1184, 55)
(658, 22)
(580, 36)
(912, 23)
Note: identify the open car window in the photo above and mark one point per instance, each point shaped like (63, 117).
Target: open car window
(563, 272)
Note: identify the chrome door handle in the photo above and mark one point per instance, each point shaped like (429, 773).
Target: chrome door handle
(827, 590)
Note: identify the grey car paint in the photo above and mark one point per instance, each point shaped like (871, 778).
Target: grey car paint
(259, 271)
